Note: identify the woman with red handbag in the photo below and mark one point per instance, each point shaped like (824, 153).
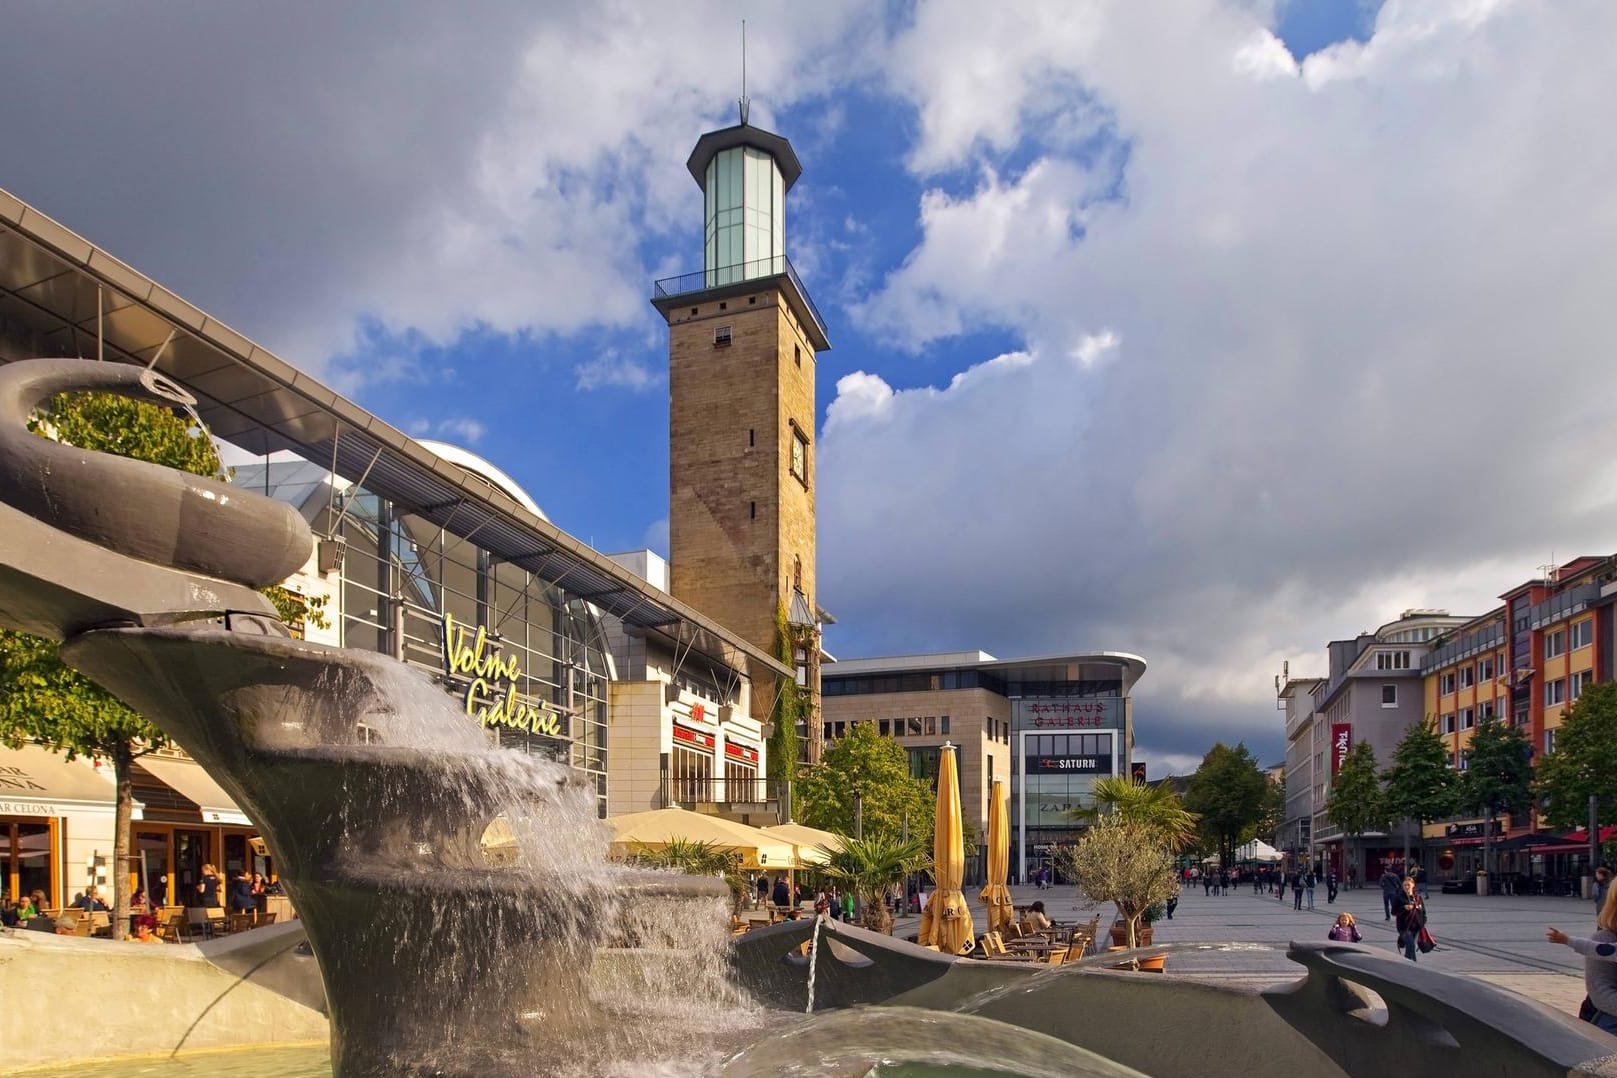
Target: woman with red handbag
(1409, 913)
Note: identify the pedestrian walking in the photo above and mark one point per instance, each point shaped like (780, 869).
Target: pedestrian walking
(1330, 886)
(1308, 887)
(1410, 911)
(1602, 885)
(1389, 891)
(1296, 890)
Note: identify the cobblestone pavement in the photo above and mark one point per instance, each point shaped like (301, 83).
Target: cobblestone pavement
(1496, 938)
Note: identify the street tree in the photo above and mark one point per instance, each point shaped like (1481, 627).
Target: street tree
(1357, 802)
(1421, 785)
(42, 699)
(1584, 762)
(872, 867)
(866, 774)
(1227, 793)
(45, 701)
(1274, 811)
(1498, 775)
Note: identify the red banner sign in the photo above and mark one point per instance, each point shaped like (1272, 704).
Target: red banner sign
(740, 752)
(1341, 742)
(693, 737)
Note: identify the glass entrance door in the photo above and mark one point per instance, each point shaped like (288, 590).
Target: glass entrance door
(192, 850)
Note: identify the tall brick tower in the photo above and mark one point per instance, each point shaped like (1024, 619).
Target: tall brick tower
(742, 339)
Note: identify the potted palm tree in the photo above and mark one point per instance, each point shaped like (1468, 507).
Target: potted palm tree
(871, 868)
(1126, 857)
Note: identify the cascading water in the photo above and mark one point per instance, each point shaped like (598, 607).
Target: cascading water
(814, 959)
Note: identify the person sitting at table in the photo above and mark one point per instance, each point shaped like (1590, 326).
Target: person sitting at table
(144, 926)
(90, 900)
(8, 913)
(1035, 920)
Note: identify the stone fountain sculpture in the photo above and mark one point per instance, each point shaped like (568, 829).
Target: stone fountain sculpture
(375, 814)
(436, 962)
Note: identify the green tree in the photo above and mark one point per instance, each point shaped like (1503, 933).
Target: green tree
(1126, 864)
(871, 868)
(43, 700)
(1357, 803)
(875, 768)
(1420, 786)
(781, 765)
(1227, 792)
(1584, 761)
(1274, 811)
(1498, 774)
(1155, 807)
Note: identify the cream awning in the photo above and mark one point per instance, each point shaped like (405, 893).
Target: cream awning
(808, 840)
(34, 781)
(658, 827)
(186, 778)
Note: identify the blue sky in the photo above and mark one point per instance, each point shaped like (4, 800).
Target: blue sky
(1208, 330)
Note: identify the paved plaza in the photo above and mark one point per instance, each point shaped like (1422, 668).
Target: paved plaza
(1499, 939)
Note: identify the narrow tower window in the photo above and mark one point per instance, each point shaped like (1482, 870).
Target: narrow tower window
(752, 510)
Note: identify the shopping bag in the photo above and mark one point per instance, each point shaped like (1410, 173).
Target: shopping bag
(1425, 941)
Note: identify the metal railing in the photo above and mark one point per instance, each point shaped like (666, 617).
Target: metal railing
(720, 276)
(720, 791)
(1564, 605)
(1489, 637)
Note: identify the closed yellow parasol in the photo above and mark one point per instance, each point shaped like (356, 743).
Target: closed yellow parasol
(996, 895)
(946, 921)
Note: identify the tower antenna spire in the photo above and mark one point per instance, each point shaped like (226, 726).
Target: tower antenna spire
(743, 102)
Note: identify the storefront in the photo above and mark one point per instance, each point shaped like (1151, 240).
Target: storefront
(1063, 746)
(56, 823)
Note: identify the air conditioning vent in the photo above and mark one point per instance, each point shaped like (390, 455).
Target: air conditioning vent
(721, 336)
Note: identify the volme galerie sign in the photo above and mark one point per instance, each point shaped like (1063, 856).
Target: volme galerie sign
(492, 678)
(1069, 765)
(1341, 742)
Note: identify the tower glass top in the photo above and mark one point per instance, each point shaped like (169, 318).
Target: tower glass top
(745, 217)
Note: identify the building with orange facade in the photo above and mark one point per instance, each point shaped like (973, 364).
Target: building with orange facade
(1526, 662)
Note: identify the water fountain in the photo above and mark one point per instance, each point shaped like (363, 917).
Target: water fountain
(436, 962)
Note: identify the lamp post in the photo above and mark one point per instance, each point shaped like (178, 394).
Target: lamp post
(858, 813)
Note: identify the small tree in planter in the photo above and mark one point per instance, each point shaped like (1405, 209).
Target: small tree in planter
(871, 868)
(1124, 863)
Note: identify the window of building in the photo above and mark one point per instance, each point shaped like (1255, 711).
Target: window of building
(1485, 670)
(931, 726)
(1468, 718)
(943, 724)
(1486, 710)
(1555, 692)
(1555, 643)
(1392, 660)
(1579, 681)
(915, 726)
(1467, 677)
(1389, 696)
(1446, 683)
(692, 774)
(799, 456)
(1549, 740)
(1446, 724)
(1583, 633)
(884, 727)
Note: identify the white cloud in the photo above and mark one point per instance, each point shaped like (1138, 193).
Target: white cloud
(460, 430)
(613, 370)
(1357, 330)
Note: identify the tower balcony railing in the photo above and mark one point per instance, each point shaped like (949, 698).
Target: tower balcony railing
(739, 273)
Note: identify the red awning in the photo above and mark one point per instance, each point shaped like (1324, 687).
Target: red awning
(1581, 835)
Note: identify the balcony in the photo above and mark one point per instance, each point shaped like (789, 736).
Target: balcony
(725, 795)
(1468, 645)
(736, 280)
(1560, 607)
